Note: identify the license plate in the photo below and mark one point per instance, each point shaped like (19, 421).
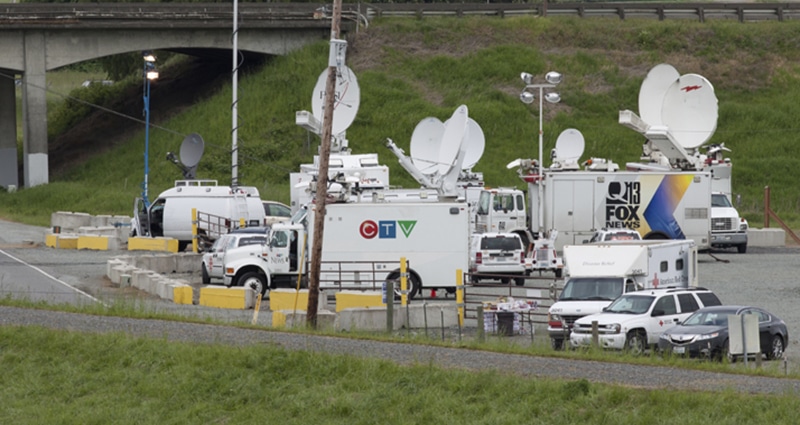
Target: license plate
(679, 350)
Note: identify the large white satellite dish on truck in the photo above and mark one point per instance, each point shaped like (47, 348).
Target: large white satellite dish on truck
(474, 143)
(652, 92)
(425, 144)
(348, 97)
(569, 148)
(690, 110)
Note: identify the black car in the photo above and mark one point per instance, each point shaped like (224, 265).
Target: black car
(705, 333)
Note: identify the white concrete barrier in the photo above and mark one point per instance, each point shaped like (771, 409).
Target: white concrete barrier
(766, 237)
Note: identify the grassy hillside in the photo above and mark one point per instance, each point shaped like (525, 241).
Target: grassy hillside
(410, 69)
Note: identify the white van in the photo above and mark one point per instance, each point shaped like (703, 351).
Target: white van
(170, 215)
(497, 256)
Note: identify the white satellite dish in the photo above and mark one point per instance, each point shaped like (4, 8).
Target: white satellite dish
(654, 88)
(454, 131)
(425, 143)
(475, 143)
(690, 110)
(348, 97)
(569, 146)
(192, 150)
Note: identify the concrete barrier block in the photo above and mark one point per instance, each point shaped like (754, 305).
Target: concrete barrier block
(97, 231)
(124, 281)
(116, 272)
(100, 220)
(367, 319)
(224, 297)
(92, 242)
(140, 279)
(182, 294)
(188, 262)
(293, 319)
(766, 237)
(67, 242)
(358, 299)
(114, 262)
(152, 244)
(437, 315)
(51, 240)
(288, 299)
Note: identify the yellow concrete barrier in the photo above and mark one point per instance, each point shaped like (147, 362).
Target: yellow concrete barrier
(98, 243)
(288, 299)
(358, 299)
(51, 240)
(224, 297)
(182, 295)
(67, 242)
(152, 244)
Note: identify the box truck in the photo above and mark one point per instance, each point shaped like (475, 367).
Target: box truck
(363, 243)
(598, 273)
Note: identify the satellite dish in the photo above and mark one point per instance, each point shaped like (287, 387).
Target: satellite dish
(474, 142)
(654, 88)
(425, 143)
(690, 110)
(192, 150)
(569, 146)
(454, 131)
(348, 97)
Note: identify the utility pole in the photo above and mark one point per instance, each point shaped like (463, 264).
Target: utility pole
(322, 176)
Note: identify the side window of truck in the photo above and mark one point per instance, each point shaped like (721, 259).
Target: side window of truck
(664, 266)
(279, 240)
(679, 264)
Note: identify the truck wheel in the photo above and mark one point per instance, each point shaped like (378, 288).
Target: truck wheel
(206, 277)
(557, 344)
(505, 280)
(558, 273)
(255, 281)
(636, 342)
(742, 248)
(413, 284)
(520, 281)
(182, 245)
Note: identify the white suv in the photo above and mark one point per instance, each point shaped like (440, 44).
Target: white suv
(497, 256)
(636, 320)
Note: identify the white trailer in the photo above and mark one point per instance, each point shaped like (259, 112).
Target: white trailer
(598, 273)
(170, 215)
(657, 204)
(359, 237)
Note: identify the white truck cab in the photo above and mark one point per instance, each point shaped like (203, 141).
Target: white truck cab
(728, 229)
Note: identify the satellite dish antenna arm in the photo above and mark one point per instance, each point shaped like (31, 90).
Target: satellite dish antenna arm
(189, 173)
(409, 166)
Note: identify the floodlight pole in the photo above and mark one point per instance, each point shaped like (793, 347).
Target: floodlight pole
(148, 73)
(553, 78)
(322, 177)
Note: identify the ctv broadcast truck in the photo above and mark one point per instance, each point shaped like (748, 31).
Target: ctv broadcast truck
(598, 273)
(657, 204)
(363, 242)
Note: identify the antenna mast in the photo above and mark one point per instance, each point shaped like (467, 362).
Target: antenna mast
(235, 102)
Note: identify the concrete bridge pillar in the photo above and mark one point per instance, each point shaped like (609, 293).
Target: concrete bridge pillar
(8, 131)
(34, 109)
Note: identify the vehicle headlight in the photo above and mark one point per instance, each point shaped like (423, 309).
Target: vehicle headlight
(614, 328)
(664, 335)
(707, 336)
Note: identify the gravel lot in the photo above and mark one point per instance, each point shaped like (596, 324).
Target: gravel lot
(765, 277)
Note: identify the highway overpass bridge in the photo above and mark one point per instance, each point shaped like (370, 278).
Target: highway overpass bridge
(36, 38)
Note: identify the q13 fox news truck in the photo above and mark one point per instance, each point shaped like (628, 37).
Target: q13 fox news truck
(362, 239)
(657, 204)
(598, 273)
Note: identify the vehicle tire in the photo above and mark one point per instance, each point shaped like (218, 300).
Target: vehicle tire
(505, 280)
(413, 284)
(450, 290)
(182, 245)
(557, 344)
(473, 278)
(776, 348)
(254, 280)
(520, 281)
(558, 273)
(725, 353)
(636, 342)
(206, 277)
(742, 248)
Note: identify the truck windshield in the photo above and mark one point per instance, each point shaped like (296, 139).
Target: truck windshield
(299, 216)
(631, 304)
(591, 289)
(720, 200)
(483, 203)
